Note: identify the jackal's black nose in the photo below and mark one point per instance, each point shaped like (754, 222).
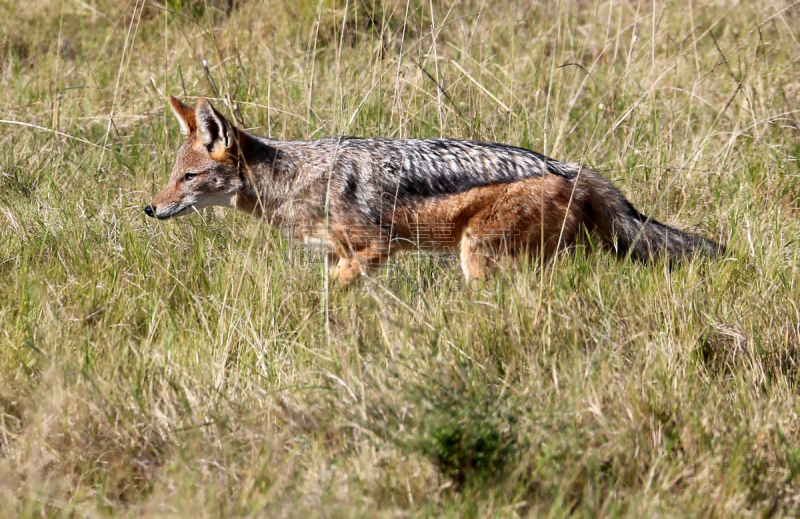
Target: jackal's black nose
(148, 210)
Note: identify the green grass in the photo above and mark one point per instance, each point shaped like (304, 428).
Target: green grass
(200, 367)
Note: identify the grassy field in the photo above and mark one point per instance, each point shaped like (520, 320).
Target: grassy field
(200, 367)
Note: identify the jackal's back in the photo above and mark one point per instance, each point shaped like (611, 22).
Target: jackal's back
(371, 173)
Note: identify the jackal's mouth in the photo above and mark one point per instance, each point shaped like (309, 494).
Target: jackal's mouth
(175, 214)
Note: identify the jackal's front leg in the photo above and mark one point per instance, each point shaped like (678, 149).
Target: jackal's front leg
(360, 263)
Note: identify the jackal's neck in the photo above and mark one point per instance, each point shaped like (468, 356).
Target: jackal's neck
(278, 179)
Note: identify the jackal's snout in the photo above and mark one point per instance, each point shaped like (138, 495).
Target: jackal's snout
(149, 211)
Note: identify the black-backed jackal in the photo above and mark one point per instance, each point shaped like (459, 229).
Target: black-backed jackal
(364, 199)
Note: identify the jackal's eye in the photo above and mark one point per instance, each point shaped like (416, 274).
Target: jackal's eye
(189, 176)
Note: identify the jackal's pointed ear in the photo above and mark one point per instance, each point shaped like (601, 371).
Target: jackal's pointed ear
(213, 130)
(184, 115)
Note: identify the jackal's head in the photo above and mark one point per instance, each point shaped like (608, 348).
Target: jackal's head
(206, 171)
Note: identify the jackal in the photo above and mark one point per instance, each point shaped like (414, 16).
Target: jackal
(362, 199)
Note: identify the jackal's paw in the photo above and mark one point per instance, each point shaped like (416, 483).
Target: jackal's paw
(346, 273)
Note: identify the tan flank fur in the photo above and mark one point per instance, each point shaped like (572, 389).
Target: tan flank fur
(361, 200)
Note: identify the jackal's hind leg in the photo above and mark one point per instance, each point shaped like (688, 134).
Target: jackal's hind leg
(480, 255)
(536, 216)
(474, 258)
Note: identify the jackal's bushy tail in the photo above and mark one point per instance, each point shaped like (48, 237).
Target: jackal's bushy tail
(631, 232)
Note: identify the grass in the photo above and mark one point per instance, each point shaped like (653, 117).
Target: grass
(200, 367)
